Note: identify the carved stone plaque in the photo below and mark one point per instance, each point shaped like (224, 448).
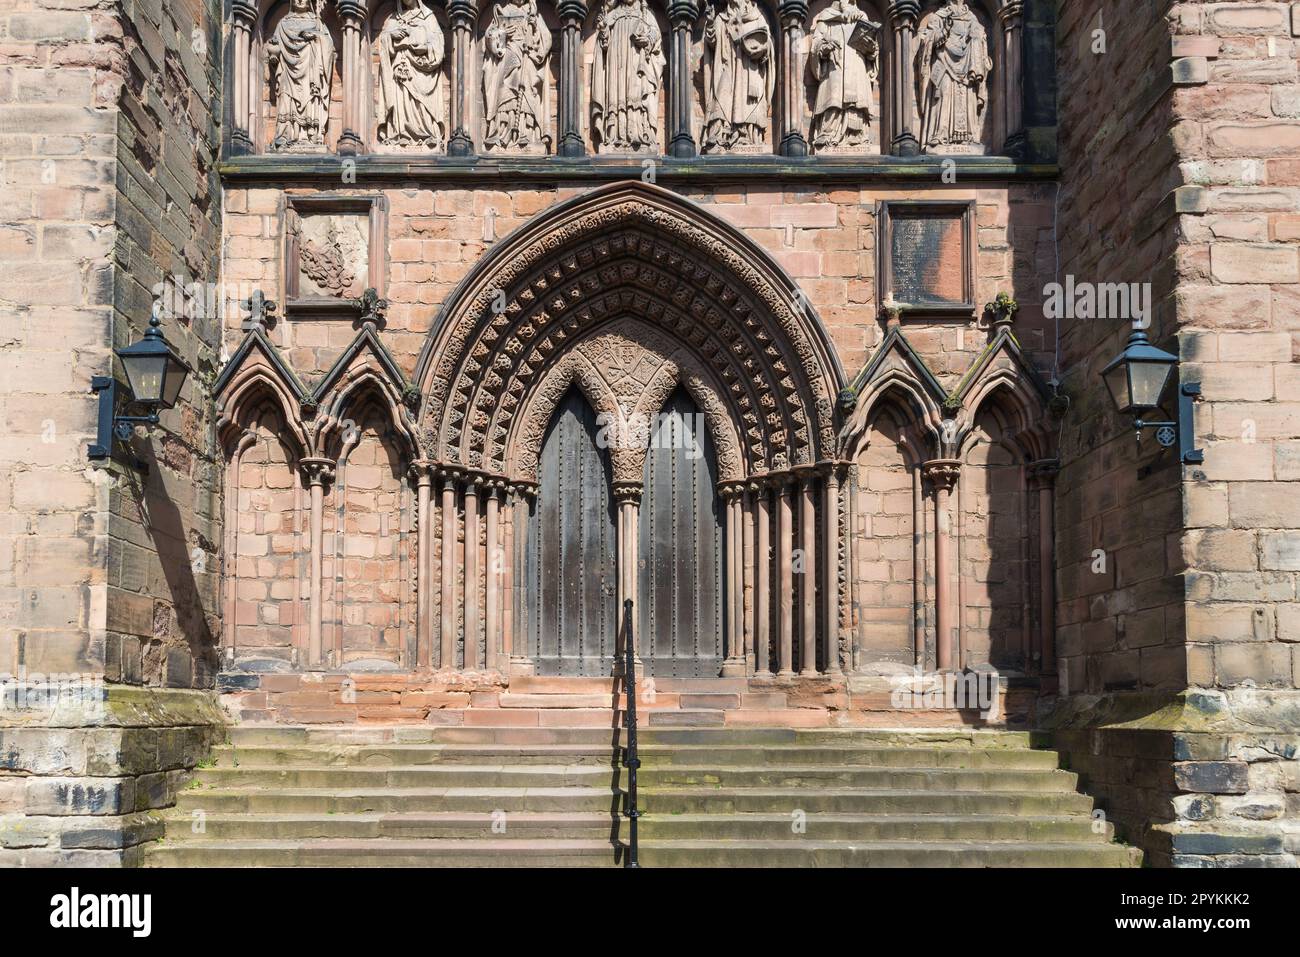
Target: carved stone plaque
(926, 255)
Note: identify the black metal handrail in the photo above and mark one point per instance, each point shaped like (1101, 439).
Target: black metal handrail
(630, 760)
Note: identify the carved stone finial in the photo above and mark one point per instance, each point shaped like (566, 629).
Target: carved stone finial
(373, 309)
(1003, 311)
(261, 311)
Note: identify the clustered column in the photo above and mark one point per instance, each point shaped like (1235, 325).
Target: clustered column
(682, 14)
(1012, 17)
(794, 18)
(572, 13)
(943, 475)
(462, 14)
(243, 19)
(1042, 475)
(317, 472)
(352, 14)
(903, 16)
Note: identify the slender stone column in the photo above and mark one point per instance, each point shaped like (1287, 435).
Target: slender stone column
(903, 16)
(492, 573)
(762, 583)
(423, 471)
(785, 564)
(471, 573)
(447, 631)
(808, 580)
(628, 496)
(1044, 477)
(508, 578)
(462, 14)
(520, 663)
(682, 14)
(572, 13)
(747, 560)
(831, 593)
(1012, 17)
(734, 666)
(243, 19)
(317, 472)
(794, 18)
(352, 14)
(943, 474)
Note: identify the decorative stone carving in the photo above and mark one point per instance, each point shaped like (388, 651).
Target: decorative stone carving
(953, 64)
(516, 48)
(411, 53)
(626, 77)
(739, 73)
(333, 256)
(300, 58)
(844, 62)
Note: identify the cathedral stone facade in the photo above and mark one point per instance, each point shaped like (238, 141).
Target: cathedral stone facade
(783, 321)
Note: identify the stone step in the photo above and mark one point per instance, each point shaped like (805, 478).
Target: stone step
(787, 801)
(557, 776)
(883, 854)
(595, 825)
(608, 826)
(325, 852)
(279, 735)
(604, 755)
(409, 800)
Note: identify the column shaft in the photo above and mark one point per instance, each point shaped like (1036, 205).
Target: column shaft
(762, 585)
(447, 632)
(462, 14)
(832, 572)
(808, 580)
(424, 568)
(572, 13)
(794, 15)
(785, 544)
(471, 576)
(903, 17)
(491, 588)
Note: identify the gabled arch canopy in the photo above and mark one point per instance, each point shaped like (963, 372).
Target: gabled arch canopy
(629, 249)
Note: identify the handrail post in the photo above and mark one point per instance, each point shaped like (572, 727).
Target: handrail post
(630, 759)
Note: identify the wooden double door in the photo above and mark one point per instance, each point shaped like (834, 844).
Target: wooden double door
(570, 601)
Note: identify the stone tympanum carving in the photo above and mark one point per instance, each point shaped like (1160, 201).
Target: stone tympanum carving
(515, 50)
(739, 71)
(952, 68)
(844, 61)
(300, 57)
(626, 77)
(411, 51)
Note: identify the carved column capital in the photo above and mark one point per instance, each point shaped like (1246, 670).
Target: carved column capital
(571, 11)
(423, 471)
(904, 12)
(683, 12)
(351, 10)
(942, 472)
(1011, 13)
(793, 12)
(243, 13)
(628, 492)
(1042, 474)
(317, 471)
(462, 12)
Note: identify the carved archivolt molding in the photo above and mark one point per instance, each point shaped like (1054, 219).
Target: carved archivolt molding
(631, 250)
(627, 372)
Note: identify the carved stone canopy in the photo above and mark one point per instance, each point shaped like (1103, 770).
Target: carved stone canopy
(710, 305)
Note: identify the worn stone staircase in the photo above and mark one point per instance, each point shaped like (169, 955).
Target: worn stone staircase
(712, 796)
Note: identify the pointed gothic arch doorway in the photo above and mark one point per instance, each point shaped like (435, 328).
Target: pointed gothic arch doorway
(570, 559)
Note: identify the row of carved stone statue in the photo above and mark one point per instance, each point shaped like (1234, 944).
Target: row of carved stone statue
(952, 66)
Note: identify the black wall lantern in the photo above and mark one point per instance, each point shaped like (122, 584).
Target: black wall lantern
(1138, 378)
(155, 374)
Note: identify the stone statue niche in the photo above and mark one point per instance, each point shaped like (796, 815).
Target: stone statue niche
(516, 47)
(300, 67)
(410, 104)
(627, 73)
(739, 73)
(843, 64)
(953, 65)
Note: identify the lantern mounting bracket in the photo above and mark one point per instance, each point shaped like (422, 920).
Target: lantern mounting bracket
(111, 425)
(1181, 430)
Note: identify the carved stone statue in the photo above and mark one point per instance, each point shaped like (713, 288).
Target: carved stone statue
(952, 67)
(738, 77)
(411, 51)
(515, 49)
(300, 57)
(844, 61)
(626, 76)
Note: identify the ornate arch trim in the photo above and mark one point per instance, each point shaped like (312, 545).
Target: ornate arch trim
(676, 265)
(255, 373)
